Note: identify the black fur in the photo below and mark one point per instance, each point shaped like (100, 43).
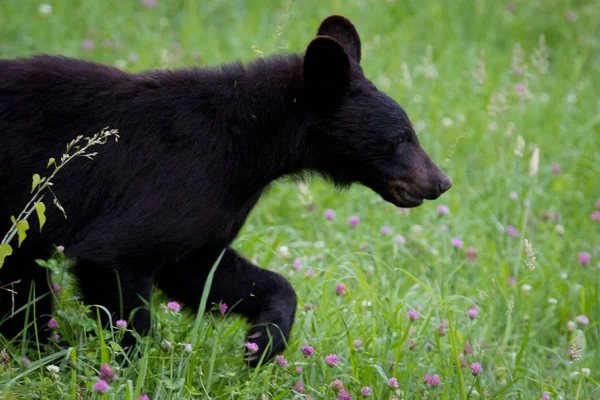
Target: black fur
(198, 147)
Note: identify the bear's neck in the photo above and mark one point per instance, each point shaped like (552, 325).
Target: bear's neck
(260, 113)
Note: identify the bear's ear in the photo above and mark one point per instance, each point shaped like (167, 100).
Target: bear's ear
(326, 71)
(341, 29)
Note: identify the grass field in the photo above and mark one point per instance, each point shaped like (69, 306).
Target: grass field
(430, 292)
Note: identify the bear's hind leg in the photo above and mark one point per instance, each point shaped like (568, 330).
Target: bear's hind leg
(265, 297)
(21, 281)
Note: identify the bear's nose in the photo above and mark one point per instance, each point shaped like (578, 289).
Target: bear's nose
(444, 185)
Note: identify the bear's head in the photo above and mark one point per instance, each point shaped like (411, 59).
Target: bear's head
(358, 133)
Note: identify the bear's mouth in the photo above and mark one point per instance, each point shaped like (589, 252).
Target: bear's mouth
(396, 192)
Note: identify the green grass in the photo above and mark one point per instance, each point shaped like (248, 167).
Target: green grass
(441, 60)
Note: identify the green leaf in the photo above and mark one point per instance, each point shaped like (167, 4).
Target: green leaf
(40, 209)
(36, 182)
(41, 263)
(22, 228)
(50, 162)
(5, 251)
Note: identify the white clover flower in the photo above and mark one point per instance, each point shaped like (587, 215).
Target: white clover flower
(45, 9)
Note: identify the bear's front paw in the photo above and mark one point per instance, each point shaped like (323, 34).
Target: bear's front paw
(268, 337)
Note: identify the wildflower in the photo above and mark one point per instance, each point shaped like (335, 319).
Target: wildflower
(45, 9)
(337, 384)
(582, 319)
(416, 229)
(428, 346)
(353, 221)
(284, 251)
(556, 169)
(149, 3)
(329, 214)
(530, 255)
(252, 346)
(534, 162)
(584, 258)
(280, 359)
(332, 360)
(412, 344)
(443, 210)
(299, 369)
(344, 395)
(468, 348)
(53, 371)
(596, 215)
(512, 231)
(56, 338)
(413, 315)
(223, 308)
(519, 147)
(121, 323)
(308, 351)
(166, 345)
(340, 288)
(476, 369)
(393, 382)
(471, 254)
(299, 387)
(297, 264)
(447, 122)
(552, 300)
(385, 230)
(101, 386)
(173, 305)
(513, 195)
(598, 203)
(560, 229)
(56, 288)
(493, 126)
(399, 240)
(571, 16)
(463, 362)
(585, 371)
(526, 289)
(308, 306)
(472, 313)
(357, 342)
(61, 248)
(53, 324)
(107, 373)
(546, 396)
(88, 45)
(26, 362)
(444, 228)
(432, 380)
(143, 397)
(310, 273)
(133, 59)
(457, 243)
(571, 326)
(365, 392)
(441, 330)
(512, 280)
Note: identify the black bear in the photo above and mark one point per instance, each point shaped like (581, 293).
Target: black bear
(197, 149)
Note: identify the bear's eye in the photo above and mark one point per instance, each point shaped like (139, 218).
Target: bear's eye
(398, 140)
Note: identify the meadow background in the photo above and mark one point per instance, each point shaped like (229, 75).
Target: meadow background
(445, 301)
